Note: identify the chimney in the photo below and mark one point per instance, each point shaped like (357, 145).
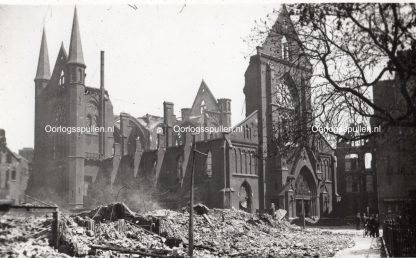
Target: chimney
(185, 113)
(168, 119)
(225, 112)
(102, 107)
(2, 137)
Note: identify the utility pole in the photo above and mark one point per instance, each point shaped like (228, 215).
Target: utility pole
(191, 200)
(191, 204)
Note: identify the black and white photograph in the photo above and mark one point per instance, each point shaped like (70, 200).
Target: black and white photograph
(196, 128)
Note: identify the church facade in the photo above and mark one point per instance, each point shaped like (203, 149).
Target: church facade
(261, 162)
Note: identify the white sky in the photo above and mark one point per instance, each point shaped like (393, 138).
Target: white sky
(153, 54)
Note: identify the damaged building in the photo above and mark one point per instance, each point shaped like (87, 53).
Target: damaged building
(247, 168)
(14, 173)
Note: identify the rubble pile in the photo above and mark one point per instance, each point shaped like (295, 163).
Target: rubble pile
(237, 233)
(102, 239)
(112, 230)
(26, 237)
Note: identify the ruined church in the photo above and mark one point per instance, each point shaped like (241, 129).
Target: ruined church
(260, 165)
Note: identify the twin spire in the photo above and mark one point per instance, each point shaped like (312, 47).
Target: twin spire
(75, 51)
(43, 72)
(75, 47)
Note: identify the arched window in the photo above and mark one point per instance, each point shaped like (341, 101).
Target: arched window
(62, 78)
(209, 165)
(245, 197)
(203, 107)
(240, 166)
(246, 168)
(250, 163)
(80, 74)
(236, 160)
(285, 48)
(73, 75)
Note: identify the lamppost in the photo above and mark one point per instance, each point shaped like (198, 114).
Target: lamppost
(191, 200)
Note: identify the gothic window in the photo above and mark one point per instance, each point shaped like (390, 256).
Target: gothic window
(80, 74)
(254, 164)
(240, 165)
(251, 163)
(73, 75)
(203, 107)
(62, 78)
(246, 136)
(236, 160)
(302, 186)
(246, 163)
(209, 165)
(283, 96)
(286, 128)
(285, 48)
(13, 175)
(92, 114)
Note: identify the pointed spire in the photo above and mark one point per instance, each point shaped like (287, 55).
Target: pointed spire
(43, 72)
(62, 49)
(75, 47)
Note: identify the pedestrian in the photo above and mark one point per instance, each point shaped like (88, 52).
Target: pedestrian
(366, 225)
(272, 210)
(377, 225)
(373, 226)
(357, 221)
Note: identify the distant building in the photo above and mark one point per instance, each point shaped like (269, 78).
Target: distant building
(357, 177)
(14, 173)
(242, 168)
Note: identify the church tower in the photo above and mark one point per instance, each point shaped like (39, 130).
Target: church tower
(42, 78)
(75, 78)
(275, 87)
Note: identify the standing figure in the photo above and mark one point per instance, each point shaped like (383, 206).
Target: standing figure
(358, 221)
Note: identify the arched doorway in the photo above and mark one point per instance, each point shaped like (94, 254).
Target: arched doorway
(245, 197)
(305, 194)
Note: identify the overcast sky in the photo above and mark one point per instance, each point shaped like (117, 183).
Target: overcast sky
(154, 53)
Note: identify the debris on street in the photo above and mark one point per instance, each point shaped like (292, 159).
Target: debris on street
(114, 230)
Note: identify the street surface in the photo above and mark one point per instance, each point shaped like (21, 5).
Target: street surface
(364, 246)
